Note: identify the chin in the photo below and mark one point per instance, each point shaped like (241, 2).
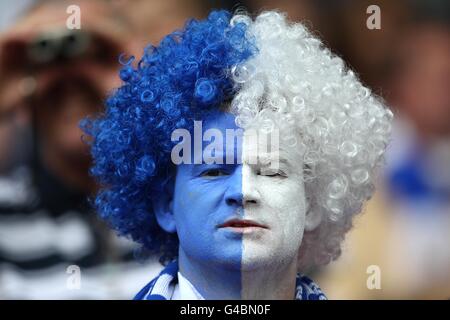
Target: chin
(258, 259)
(260, 255)
(228, 263)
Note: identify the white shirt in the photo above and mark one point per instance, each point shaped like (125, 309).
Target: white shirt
(184, 290)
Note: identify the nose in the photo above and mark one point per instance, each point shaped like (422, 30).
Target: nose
(234, 199)
(238, 198)
(251, 197)
(242, 190)
(250, 188)
(233, 195)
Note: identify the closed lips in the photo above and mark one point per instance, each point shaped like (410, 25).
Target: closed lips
(236, 223)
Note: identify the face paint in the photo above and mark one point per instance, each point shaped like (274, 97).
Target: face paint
(206, 196)
(274, 196)
(242, 223)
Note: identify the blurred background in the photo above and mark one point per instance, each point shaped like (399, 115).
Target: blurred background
(51, 77)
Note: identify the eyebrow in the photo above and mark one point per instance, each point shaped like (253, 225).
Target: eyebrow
(220, 155)
(262, 159)
(268, 159)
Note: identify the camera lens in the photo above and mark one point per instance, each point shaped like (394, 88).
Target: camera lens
(74, 44)
(42, 50)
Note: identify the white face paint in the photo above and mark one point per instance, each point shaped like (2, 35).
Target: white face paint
(274, 196)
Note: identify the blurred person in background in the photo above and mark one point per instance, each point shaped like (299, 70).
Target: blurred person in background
(13, 125)
(418, 172)
(50, 78)
(406, 227)
(367, 49)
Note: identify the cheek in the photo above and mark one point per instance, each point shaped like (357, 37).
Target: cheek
(282, 208)
(185, 199)
(189, 211)
(285, 202)
(189, 204)
(283, 196)
(194, 205)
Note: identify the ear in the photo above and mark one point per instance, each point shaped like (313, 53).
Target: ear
(313, 217)
(163, 209)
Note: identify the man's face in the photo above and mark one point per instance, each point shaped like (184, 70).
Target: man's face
(244, 215)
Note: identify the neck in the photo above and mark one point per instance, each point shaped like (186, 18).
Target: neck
(269, 282)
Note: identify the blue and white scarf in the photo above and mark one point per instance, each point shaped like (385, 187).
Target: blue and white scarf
(163, 286)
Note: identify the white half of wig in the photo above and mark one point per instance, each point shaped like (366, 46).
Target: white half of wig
(295, 83)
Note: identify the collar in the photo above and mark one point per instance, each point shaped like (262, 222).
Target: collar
(185, 290)
(163, 286)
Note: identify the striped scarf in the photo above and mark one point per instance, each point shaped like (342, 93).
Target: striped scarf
(163, 286)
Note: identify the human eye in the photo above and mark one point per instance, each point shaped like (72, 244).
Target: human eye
(213, 173)
(269, 172)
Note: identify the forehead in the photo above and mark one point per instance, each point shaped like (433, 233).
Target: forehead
(220, 120)
(252, 142)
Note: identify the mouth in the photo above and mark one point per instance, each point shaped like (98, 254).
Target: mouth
(242, 225)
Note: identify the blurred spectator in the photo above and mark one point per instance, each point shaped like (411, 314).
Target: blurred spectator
(153, 19)
(363, 48)
(52, 77)
(418, 172)
(405, 230)
(10, 11)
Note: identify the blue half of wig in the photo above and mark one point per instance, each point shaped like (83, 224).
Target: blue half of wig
(182, 79)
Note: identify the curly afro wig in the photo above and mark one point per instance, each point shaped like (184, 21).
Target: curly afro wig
(270, 72)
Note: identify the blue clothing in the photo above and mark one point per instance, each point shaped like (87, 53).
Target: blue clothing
(162, 287)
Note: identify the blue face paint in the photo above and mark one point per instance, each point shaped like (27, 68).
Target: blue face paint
(268, 204)
(205, 196)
